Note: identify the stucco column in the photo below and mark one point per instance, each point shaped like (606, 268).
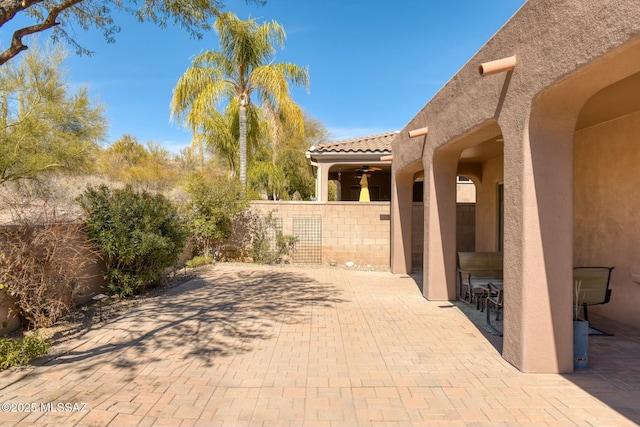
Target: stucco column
(538, 240)
(440, 225)
(401, 221)
(323, 182)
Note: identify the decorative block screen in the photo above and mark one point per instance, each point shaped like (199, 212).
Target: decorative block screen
(308, 230)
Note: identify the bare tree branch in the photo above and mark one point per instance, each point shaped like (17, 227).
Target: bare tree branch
(17, 45)
(192, 15)
(9, 8)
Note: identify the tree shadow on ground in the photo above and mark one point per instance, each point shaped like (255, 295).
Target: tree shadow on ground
(226, 312)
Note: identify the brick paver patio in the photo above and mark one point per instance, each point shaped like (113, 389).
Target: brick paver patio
(259, 346)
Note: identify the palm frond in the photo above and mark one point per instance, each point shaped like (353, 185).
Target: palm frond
(272, 33)
(240, 69)
(198, 91)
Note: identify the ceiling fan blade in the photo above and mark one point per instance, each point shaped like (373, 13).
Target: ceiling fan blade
(366, 169)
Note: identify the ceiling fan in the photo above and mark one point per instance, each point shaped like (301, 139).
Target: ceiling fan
(366, 169)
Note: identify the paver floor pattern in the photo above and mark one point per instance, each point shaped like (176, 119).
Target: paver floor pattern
(260, 346)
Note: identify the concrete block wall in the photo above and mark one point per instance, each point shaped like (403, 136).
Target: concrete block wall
(351, 231)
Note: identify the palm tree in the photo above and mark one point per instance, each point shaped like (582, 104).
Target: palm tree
(219, 133)
(243, 67)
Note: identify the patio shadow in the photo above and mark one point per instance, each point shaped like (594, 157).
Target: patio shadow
(222, 313)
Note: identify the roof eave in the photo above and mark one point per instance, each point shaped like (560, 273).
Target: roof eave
(350, 156)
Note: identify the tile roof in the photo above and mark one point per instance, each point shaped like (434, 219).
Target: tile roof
(368, 144)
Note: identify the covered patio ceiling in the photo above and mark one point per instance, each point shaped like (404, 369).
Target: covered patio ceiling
(610, 103)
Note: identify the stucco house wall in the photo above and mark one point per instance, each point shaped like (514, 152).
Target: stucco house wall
(606, 210)
(487, 206)
(566, 52)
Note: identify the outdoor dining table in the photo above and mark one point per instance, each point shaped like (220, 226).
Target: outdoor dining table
(482, 283)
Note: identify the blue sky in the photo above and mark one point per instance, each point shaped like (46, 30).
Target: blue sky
(372, 64)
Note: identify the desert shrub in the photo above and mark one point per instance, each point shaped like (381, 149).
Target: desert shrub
(238, 246)
(146, 166)
(139, 234)
(269, 244)
(285, 244)
(213, 204)
(199, 261)
(41, 260)
(20, 351)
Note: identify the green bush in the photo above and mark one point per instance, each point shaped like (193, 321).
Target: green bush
(269, 244)
(213, 204)
(199, 261)
(20, 351)
(140, 235)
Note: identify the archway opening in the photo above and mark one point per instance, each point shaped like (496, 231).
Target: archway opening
(417, 223)
(606, 181)
(481, 162)
(465, 214)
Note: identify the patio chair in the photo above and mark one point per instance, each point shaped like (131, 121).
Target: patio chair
(475, 271)
(594, 287)
(495, 298)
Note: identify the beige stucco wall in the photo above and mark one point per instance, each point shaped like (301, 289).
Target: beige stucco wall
(465, 193)
(607, 209)
(487, 206)
(351, 231)
(566, 52)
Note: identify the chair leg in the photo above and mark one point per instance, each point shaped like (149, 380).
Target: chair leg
(480, 301)
(489, 318)
(465, 295)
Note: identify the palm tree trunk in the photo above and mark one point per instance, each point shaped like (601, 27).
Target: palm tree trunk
(243, 144)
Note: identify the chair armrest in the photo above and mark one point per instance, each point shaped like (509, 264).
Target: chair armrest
(468, 274)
